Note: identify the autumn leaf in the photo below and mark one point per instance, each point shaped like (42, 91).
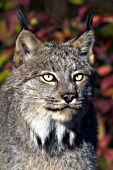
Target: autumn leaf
(103, 70)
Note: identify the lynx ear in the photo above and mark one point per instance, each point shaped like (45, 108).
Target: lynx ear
(85, 44)
(25, 43)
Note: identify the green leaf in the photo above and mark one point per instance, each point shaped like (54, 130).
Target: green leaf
(34, 21)
(3, 59)
(3, 75)
(79, 2)
(9, 5)
(107, 30)
(17, 28)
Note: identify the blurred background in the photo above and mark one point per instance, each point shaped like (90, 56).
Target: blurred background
(60, 20)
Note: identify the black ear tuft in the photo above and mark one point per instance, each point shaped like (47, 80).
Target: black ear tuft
(89, 21)
(22, 20)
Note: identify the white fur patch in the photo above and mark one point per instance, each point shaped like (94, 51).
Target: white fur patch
(71, 137)
(60, 132)
(41, 126)
(33, 138)
(73, 101)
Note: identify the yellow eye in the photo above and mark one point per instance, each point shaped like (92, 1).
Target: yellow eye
(48, 77)
(79, 77)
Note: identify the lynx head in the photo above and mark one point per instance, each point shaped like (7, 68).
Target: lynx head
(58, 81)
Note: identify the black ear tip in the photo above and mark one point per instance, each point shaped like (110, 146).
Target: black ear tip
(22, 19)
(89, 21)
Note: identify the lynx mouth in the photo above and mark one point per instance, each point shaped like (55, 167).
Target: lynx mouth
(58, 104)
(58, 107)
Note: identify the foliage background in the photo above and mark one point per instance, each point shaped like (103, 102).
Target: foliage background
(60, 20)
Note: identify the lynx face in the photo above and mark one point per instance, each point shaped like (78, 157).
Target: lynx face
(62, 83)
(59, 86)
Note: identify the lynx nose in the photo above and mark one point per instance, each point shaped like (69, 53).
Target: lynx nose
(68, 97)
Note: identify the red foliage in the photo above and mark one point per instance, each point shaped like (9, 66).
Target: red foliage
(107, 85)
(103, 150)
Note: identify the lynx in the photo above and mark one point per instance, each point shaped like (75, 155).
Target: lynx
(47, 119)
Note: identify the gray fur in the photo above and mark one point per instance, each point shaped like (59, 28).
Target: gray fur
(38, 129)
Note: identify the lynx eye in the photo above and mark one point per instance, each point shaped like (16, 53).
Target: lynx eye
(48, 77)
(79, 77)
